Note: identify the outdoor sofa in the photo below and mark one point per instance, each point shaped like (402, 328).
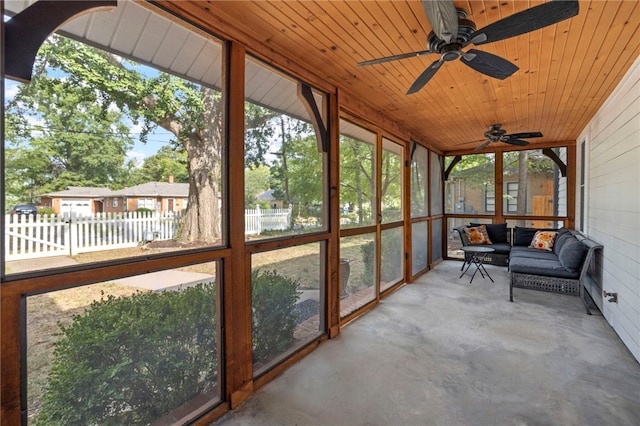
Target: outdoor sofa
(566, 267)
(563, 269)
(499, 235)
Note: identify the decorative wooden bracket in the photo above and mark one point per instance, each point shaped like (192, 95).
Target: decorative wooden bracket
(455, 161)
(305, 94)
(25, 32)
(554, 157)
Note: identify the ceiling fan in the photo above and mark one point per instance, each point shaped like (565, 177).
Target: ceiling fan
(452, 31)
(497, 134)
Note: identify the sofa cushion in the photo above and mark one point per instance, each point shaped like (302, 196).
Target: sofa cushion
(562, 237)
(572, 254)
(497, 232)
(526, 252)
(501, 248)
(462, 231)
(545, 267)
(523, 236)
(478, 235)
(543, 240)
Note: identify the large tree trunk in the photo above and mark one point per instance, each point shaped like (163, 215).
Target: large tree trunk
(204, 153)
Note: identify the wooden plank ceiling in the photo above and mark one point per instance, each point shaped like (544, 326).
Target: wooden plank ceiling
(566, 70)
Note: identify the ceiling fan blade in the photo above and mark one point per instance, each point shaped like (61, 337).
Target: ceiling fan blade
(489, 64)
(394, 57)
(526, 21)
(425, 76)
(518, 142)
(525, 135)
(482, 146)
(442, 17)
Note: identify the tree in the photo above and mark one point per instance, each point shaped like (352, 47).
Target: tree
(256, 180)
(168, 161)
(192, 113)
(52, 144)
(357, 179)
(297, 173)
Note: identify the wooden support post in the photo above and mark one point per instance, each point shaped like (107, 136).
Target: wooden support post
(237, 292)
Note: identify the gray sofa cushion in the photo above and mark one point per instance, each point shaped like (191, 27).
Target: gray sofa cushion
(562, 237)
(571, 254)
(531, 253)
(463, 235)
(500, 248)
(545, 267)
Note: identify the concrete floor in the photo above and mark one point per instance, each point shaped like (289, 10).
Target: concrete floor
(446, 352)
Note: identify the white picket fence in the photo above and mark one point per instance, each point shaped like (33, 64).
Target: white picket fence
(29, 237)
(258, 220)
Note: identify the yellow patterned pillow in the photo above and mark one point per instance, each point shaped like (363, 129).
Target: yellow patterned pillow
(543, 240)
(478, 235)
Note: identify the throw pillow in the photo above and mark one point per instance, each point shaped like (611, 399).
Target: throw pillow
(497, 232)
(478, 235)
(524, 236)
(543, 240)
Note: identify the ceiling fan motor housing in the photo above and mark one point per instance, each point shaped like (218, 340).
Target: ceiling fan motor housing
(495, 132)
(466, 27)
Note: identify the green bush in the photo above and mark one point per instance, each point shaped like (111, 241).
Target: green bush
(274, 319)
(390, 268)
(131, 360)
(45, 211)
(368, 251)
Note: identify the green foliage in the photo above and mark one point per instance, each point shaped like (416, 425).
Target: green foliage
(131, 360)
(297, 175)
(144, 210)
(60, 135)
(45, 211)
(368, 251)
(274, 320)
(168, 161)
(357, 179)
(256, 180)
(390, 268)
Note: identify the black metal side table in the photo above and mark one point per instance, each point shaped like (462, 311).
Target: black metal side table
(478, 255)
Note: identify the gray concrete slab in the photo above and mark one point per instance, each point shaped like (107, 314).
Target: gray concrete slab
(446, 352)
(154, 281)
(39, 263)
(166, 280)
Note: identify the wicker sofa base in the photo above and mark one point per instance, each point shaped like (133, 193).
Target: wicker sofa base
(490, 259)
(542, 283)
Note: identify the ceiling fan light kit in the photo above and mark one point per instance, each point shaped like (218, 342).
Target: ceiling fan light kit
(452, 31)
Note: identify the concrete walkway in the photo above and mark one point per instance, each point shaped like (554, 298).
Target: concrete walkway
(154, 281)
(446, 352)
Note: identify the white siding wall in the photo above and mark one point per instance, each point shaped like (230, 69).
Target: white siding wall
(612, 214)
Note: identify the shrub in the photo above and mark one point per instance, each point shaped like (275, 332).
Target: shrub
(390, 269)
(131, 360)
(144, 210)
(274, 319)
(45, 211)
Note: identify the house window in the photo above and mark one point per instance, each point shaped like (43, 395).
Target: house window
(489, 199)
(512, 197)
(146, 203)
(114, 202)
